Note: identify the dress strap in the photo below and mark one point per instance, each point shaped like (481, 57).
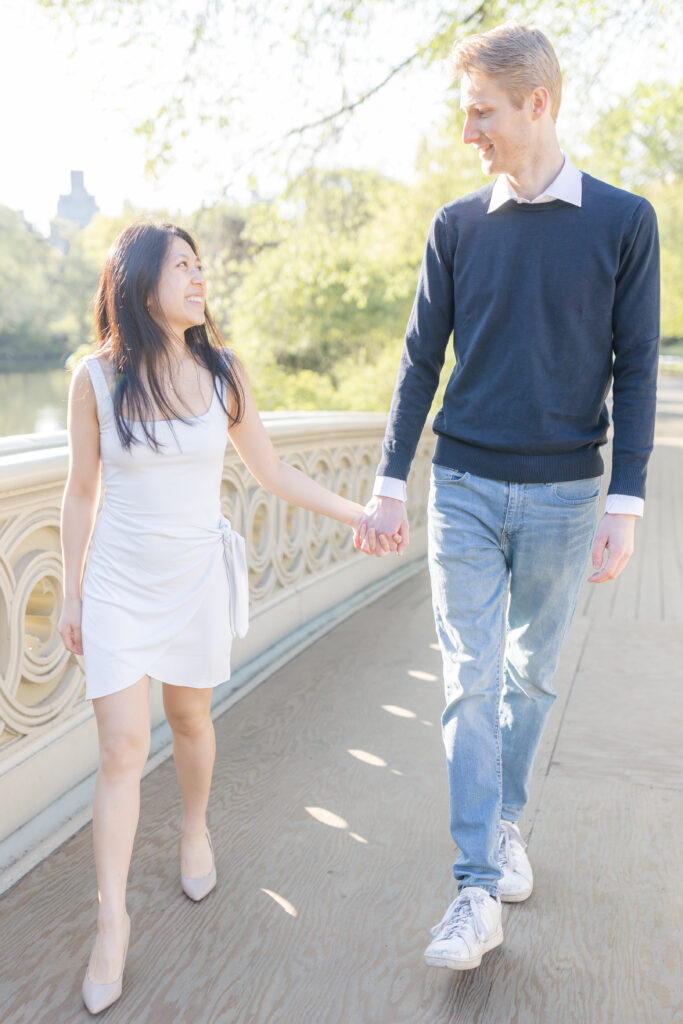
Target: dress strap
(105, 405)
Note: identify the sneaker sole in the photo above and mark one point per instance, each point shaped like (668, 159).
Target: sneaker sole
(464, 965)
(515, 897)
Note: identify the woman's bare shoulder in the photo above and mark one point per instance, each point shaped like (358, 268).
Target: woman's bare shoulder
(81, 380)
(82, 393)
(82, 385)
(105, 358)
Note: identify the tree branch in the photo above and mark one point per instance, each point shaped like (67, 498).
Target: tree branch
(347, 108)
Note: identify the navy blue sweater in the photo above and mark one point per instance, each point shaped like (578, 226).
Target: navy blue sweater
(546, 303)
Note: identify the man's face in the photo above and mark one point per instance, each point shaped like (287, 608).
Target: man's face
(501, 133)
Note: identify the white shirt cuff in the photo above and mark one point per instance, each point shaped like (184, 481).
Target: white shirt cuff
(390, 487)
(624, 505)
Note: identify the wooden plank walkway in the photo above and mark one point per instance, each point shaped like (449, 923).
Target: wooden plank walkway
(329, 820)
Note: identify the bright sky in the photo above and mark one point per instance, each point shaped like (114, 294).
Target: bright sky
(72, 97)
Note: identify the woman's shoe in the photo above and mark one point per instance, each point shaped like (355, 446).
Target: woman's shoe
(98, 997)
(198, 888)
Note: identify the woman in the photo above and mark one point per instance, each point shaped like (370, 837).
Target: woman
(152, 407)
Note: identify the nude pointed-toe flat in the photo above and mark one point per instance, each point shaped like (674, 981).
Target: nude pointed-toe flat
(98, 997)
(198, 888)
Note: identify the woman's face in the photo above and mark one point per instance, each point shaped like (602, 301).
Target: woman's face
(181, 292)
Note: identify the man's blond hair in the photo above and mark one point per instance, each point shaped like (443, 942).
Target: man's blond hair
(521, 58)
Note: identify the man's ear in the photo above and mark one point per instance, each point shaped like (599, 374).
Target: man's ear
(540, 102)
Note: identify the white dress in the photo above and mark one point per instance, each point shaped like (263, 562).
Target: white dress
(156, 598)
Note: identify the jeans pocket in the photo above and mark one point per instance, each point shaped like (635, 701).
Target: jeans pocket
(447, 475)
(577, 492)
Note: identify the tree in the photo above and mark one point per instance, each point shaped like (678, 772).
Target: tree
(330, 63)
(330, 284)
(667, 199)
(640, 139)
(638, 145)
(28, 269)
(320, 314)
(75, 285)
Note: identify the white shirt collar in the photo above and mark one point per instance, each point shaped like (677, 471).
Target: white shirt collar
(566, 186)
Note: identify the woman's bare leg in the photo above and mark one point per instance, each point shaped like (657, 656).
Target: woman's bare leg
(123, 729)
(194, 750)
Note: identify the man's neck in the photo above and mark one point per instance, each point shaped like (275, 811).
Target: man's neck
(532, 180)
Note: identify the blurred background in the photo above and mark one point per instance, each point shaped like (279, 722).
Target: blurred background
(306, 145)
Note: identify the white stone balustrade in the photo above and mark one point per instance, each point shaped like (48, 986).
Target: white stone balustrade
(304, 575)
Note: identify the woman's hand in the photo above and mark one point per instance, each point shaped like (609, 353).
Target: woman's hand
(69, 625)
(383, 527)
(355, 520)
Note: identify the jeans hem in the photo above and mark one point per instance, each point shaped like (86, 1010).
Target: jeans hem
(491, 890)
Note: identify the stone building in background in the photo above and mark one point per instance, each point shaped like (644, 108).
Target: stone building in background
(74, 212)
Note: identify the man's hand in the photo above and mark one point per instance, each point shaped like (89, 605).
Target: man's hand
(383, 527)
(615, 535)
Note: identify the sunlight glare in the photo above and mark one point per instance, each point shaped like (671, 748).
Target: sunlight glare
(362, 755)
(359, 839)
(394, 709)
(326, 817)
(427, 676)
(282, 902)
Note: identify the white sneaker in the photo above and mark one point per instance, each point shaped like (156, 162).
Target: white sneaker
(470, 927)
(518, 878)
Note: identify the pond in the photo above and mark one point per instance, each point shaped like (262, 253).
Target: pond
(33, 403)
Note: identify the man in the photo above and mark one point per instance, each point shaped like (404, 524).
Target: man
(548, 280)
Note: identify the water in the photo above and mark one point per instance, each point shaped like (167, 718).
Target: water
(33, 403)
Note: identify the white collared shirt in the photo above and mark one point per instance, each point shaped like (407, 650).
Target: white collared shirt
(567, 187)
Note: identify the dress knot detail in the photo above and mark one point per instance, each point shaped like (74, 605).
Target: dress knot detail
(235, 557)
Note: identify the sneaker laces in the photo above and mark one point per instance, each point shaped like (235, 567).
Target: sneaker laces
(509, 840)
(468, 906)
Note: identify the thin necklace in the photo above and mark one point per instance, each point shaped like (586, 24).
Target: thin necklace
(174, 373)
(177, 370)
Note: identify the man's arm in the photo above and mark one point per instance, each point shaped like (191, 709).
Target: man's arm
(635, 325)
(429, 328)
(635, 333)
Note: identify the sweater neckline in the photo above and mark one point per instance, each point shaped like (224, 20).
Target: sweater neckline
(552, 204)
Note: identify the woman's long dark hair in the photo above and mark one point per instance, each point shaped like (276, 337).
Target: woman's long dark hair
(128, 332)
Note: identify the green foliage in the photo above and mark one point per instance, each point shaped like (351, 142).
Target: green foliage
(667, 199)
(640, 140)
(638, 145)
(323, 33)
(333, 281)
(313, 289)
(46, 295)
(321, 311)
(28, 270)
(226, 249)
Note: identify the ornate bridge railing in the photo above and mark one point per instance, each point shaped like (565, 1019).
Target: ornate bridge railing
(304, 576)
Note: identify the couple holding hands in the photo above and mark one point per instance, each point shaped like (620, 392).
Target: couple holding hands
(547, 278)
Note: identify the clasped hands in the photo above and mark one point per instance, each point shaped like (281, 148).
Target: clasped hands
(382, 527)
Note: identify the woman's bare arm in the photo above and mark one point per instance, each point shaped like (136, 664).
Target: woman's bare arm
(79, 505)
(257, 451)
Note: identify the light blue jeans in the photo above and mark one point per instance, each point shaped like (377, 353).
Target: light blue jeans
(507, 562)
